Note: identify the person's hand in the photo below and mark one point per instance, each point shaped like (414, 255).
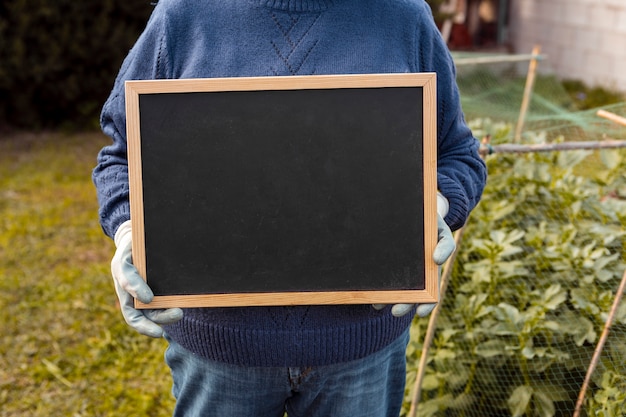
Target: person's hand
(129, 284)
(445, 247)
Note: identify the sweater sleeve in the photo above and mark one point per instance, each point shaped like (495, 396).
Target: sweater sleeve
(110, 176)
(461, 172)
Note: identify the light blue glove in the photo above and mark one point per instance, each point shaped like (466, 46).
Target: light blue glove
(445, 247)
(129, 284)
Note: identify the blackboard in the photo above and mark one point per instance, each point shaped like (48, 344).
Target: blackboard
(284, 190)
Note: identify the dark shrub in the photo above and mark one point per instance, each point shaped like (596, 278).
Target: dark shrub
(58, 59)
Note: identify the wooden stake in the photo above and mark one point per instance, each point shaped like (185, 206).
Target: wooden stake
(612, 117)
(600, 346)
(530, 81)
(450, 8)
(430, 332)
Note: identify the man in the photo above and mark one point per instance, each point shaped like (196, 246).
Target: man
(305, 360)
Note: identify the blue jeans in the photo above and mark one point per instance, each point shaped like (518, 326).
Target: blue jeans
(369, 387)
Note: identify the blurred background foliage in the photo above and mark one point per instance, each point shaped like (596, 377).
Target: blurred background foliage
(58, 59)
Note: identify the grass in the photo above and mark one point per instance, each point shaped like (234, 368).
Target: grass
(65, 349)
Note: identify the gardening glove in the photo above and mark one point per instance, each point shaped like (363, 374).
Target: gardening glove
(445, 247)
(129, 284)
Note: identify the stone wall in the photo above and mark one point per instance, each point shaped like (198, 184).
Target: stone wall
(583, 39)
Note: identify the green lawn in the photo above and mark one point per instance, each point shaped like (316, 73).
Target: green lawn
(65, 349)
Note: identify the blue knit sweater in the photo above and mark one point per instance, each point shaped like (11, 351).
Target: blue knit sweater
(217, 38)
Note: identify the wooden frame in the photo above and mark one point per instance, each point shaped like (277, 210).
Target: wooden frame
(424, 82)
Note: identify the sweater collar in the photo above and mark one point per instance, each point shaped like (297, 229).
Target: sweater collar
(298, 5)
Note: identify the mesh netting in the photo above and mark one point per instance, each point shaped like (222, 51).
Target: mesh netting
(533, 291)
(496, 90)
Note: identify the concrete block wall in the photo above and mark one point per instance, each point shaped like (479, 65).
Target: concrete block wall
(584, 39)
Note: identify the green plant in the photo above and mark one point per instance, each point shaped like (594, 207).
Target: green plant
(610, 399)
(585, 97)
(534, 279)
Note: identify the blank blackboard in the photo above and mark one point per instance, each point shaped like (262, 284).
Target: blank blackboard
(284, 190)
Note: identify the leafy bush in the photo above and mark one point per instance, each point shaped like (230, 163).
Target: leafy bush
(585, 97)
(59, 59)
(535, 277)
